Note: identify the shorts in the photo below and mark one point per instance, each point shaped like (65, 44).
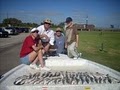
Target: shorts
(25, 60)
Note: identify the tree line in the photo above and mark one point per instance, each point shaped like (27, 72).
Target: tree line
(14, 22)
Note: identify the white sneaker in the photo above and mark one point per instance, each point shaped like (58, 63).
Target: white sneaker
(80, 54)
(39, 65)
(75, 58)
(45, 68)
(34, 66)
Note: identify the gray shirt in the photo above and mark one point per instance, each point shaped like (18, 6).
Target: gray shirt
(60, 43)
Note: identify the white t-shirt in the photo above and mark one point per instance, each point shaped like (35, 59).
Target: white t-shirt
(49, 33)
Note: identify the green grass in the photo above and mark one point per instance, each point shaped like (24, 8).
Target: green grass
(101, 47)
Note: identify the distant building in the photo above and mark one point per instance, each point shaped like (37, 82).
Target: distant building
(85, 27)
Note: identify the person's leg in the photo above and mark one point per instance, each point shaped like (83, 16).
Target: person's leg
(33, 57)
(69, 52)
(25, 60)
(47, 47)
(35, 61)
(40, 57)
(73, 49)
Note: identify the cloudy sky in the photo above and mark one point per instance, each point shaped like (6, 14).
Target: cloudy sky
(101, 13)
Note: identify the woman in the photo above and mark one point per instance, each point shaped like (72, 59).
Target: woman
(32, 51)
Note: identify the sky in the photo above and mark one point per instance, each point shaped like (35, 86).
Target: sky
(101, 13)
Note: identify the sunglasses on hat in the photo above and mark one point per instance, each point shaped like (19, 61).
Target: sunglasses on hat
(35, 32)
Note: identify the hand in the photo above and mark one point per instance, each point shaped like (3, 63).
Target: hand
(66, 45)
(40, 46)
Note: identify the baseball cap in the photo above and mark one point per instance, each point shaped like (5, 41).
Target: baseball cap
(48, 21)
(68, 19)
(33, 30)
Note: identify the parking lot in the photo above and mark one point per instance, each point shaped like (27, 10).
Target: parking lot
(12, 39)
(9, 51)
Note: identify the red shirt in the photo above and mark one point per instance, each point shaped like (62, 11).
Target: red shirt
(27, 46)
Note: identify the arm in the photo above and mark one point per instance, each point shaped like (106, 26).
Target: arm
(38, 46)
(77, 36)
(36, 49)
(51, 41)
(77, 40)
(52, 38)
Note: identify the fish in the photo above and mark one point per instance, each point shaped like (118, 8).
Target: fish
(65, 78)
(100, 80)
(50, 81)
(37, 81)
(20, 80)
(81, 78)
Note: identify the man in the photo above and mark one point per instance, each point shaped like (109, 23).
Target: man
(71, 38)
(46, 34)
(31, 51)
(60, 41)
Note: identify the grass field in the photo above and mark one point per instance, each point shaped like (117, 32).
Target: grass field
(101, 47)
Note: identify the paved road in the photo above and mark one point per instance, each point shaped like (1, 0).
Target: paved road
(9, 52)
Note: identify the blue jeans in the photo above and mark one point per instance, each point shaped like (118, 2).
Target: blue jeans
(25, 60)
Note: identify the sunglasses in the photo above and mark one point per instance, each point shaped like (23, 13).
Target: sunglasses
(35, 32)
(48, 23)
(58, 31)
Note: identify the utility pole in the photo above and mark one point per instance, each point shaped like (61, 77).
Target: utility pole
(86, 26)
